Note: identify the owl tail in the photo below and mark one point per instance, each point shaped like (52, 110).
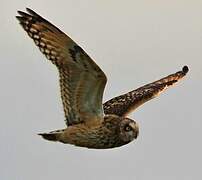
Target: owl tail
(53, 135)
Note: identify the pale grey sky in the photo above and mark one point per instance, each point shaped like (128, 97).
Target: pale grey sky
(134, 42)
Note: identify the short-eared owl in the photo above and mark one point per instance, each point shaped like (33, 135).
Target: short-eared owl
(89, 122)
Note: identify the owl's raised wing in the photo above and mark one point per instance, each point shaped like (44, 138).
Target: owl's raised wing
(82, 82)
(124, 104)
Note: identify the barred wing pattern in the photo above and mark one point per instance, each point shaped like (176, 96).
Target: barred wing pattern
(124, 104)
(82, 82)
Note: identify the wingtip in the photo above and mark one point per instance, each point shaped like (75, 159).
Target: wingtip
(185, 69)
(29, 10)
(18, 17)
(20, 12)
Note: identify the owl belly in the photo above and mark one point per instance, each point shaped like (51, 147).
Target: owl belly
(97, 137)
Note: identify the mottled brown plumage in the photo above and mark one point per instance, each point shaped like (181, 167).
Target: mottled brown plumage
(124, 104)
(82, 84)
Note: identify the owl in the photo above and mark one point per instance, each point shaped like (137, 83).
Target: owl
(89, 123)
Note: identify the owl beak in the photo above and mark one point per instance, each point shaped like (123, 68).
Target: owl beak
(137, 130)
(136, 134)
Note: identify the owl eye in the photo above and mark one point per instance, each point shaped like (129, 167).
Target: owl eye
(127, 128)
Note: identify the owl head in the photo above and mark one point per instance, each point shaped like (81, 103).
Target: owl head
(129, 130)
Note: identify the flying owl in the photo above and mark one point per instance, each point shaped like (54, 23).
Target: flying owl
(89, 123)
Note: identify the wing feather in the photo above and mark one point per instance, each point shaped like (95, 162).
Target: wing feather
(82, 82)
(124, 104)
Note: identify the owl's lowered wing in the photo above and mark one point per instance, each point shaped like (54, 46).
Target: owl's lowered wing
(124, 104)
(82, 82)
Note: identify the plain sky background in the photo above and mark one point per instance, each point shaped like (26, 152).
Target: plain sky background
(134, 42)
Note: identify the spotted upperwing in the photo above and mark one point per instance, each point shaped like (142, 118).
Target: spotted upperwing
(82, 82)
(124, 104)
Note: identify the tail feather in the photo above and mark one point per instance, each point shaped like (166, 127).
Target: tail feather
(49, 136)
(53, 135)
